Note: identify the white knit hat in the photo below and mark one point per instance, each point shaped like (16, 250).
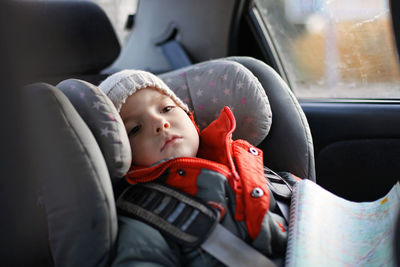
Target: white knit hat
(125, 83)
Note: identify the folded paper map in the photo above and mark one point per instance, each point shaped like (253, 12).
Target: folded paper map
(326, 230)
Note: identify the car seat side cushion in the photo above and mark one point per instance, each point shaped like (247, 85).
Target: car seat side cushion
(72, 180)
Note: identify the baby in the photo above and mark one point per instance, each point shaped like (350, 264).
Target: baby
(166, 142)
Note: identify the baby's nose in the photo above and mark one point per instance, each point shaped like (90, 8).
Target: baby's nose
(162, 126)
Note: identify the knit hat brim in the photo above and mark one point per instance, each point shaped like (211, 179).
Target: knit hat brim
(119, 86)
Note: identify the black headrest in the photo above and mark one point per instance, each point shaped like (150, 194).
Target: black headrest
(66, 37)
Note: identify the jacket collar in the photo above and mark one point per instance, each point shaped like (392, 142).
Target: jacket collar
(215, 140)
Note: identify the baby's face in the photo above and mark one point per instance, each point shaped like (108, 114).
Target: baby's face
(157, 128)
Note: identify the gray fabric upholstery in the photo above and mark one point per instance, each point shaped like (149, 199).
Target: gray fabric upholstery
(289, 145)
(67, 37)
(209, 86)
(73, 181)
(104, 121)
(156, 23)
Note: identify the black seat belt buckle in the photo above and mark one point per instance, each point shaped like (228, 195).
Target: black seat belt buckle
(183, 218)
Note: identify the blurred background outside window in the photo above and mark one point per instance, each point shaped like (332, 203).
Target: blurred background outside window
(334, 48)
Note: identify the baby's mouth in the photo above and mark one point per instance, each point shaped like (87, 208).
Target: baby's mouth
(169, 141)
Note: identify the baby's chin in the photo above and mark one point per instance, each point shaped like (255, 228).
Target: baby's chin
(182, 154)
(171, 156)
(178, 153)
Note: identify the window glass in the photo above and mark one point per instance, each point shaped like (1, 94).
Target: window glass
(118, 11)
(334, 48)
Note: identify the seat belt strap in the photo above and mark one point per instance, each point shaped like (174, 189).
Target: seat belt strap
(233, 251)
(189, 222)
(175, 54)
(285, 210)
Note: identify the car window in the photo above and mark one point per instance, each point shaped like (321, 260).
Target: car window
(333, 48)
(118, 12)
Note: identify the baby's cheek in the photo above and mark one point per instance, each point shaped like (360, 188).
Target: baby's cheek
(135, 149)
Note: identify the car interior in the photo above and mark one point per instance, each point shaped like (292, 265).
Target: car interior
(56, 164)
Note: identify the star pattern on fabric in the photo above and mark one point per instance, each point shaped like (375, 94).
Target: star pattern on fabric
(105, 131)
(82, 94)
(249, 119)
(96, 105)
(72, 87)
(206, 78)
(111, 116)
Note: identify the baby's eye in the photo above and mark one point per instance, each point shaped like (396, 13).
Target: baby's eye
(134, 130)
(167, 109)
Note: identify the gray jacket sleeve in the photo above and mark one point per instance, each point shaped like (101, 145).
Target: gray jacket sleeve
(141, 245)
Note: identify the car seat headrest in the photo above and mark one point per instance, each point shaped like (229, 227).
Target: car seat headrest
(209, 86)
(104, 121)
(77, 34)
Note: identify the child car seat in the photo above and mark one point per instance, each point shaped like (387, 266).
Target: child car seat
(80, 149)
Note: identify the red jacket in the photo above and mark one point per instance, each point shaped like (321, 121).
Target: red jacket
(239, 161)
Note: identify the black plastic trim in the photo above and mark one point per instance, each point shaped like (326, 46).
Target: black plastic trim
(237, 17)
(263, 36)
(338, 121)
(349, 100)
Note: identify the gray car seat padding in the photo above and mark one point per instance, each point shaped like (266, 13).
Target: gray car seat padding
(74, 184)
(289, 145)
(209, 86)
(104, 121)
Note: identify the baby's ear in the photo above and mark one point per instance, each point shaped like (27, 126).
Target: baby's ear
(191, 116)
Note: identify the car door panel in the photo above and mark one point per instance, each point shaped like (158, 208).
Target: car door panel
(357, 147)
